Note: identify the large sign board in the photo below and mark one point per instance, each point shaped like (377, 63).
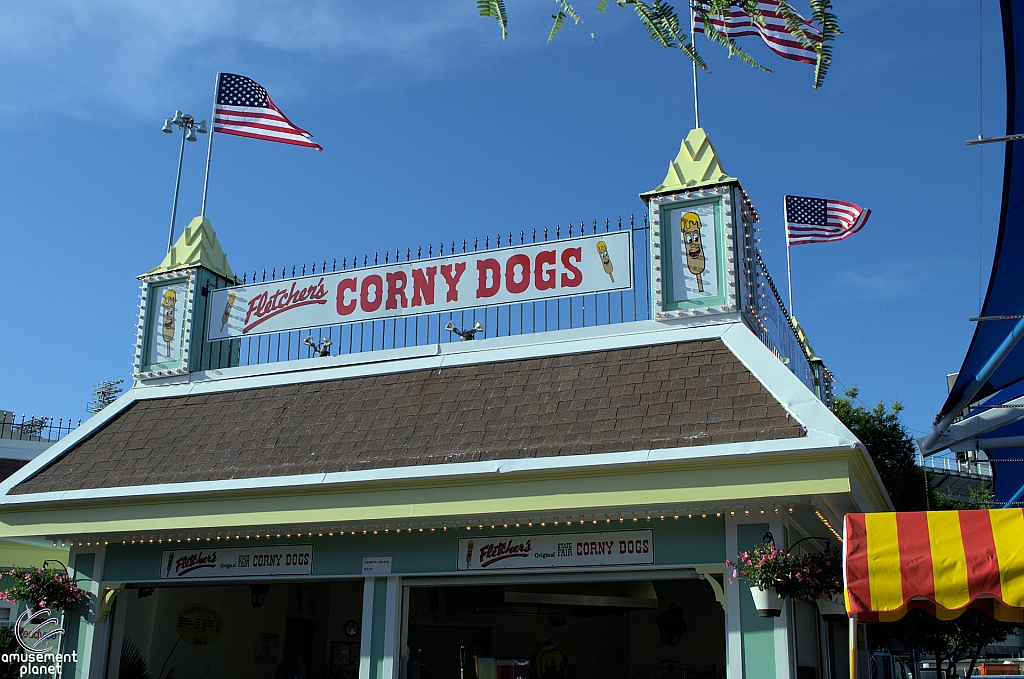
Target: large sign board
(618, 548)
(576, 266)
(236, 562)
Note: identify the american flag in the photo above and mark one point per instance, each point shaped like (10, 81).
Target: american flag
(244, 108)
(817, 220)
(738, 23)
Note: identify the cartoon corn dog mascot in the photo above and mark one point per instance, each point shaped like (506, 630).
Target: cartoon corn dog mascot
(692, 246)
(227, 310)
(168, 326)
(606, 262)
(469, 553)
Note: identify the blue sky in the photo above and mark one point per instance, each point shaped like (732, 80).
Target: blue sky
(434, 128)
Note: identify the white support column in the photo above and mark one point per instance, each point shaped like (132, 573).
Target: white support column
(733, 628)
(392, 630)
(366, 630)
(785, 667)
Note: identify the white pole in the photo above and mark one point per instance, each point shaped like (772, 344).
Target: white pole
(209, 146)
(696, 108)
(789, 267)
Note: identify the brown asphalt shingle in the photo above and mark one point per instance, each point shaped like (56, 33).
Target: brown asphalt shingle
(685, 394)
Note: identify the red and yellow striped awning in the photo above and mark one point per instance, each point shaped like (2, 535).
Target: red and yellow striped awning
(944, 562)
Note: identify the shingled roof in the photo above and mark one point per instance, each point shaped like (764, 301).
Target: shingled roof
(670, 395)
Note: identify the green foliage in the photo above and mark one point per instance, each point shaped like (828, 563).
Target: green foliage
(566, 10)
(9, 644)
(950, 641)
(978, 498)
(133, 665)
(496, 10)
(664, 27)
(891, 448)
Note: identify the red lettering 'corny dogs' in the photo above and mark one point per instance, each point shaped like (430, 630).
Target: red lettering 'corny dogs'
(265, 306)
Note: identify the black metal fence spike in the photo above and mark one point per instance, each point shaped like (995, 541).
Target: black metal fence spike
(487, 242)
(430, 250)
(620, 222)
(375, 260)
(440, 249)
(419, 252)
(463, 246)
(522, 237)
(476, 242)
(545, 233)
(293, 271)
(632, 222)
(453, 248)
(595, 226)
(558, 231)
(303, 270)
(606, 224)
(396, 255)
(408, 254)
(273, 274)
(366, 259)
(387, 254)
(265, 275)
(498, 243)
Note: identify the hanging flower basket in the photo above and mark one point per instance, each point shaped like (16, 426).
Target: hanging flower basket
(832, 609)
(43, 588)
(767, 602)
(773, 575)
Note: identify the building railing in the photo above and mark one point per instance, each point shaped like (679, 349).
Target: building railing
(29, 428)
(525, 318)
(770, 318)
(958, 466)
(776, 331)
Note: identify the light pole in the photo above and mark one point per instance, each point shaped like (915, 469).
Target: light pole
(189, 127)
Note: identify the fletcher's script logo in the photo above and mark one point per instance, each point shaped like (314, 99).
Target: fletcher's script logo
(34, 638)
(191, 562)
(492, 552)
(265, 306)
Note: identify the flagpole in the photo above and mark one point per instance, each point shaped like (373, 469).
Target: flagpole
(789, 267)
(696, 108)
(209, 147)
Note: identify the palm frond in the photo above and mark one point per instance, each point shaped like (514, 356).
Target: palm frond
(602, 5)
(566, 10)
(714, 35)
(829, 24)
(496, 10)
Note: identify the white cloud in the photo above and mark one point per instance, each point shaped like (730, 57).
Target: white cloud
(82, 56)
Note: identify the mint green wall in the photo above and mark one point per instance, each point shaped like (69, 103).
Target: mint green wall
(758, 633)
(676, 542)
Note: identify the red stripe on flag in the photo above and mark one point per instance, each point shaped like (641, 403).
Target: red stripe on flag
(296, 141)
(980, 549)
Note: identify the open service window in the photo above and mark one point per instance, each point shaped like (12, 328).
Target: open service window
(259, 630)
(633, 628)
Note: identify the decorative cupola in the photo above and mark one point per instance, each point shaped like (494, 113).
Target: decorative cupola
(702, 236)
(173, 311)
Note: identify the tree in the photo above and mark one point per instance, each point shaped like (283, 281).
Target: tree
(951, 641)
(664, 27)
(891, 448)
